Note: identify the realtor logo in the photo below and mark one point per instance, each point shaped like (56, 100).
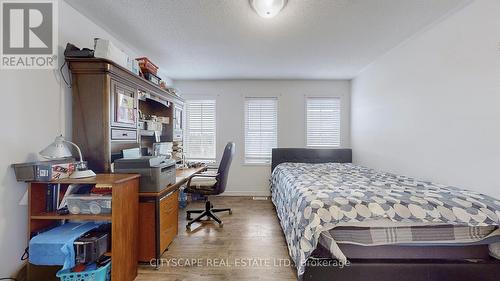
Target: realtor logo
(29, 34)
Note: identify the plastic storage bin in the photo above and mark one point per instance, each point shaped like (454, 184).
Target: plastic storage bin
(89, 204)
(100, 274)
(44, 170)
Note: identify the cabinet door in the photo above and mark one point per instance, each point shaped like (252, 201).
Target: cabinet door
(123, 105)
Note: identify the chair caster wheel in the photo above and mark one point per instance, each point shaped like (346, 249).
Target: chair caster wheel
(188, 227)
(221, 225)
(230, 212)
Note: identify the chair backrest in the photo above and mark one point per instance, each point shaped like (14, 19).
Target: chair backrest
(223, 170)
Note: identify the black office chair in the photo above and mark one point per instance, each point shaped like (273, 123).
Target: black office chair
(211, 184)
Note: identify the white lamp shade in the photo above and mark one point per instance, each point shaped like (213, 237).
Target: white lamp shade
(60, 149)
(268, 8)
(57, 149)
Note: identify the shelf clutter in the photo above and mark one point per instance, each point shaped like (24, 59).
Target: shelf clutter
(127, 107)
(101, 222)
(141, 66)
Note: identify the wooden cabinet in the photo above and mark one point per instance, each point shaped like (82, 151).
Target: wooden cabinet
(123, 218)
(106, 108)
(159, 217)
(161, 211)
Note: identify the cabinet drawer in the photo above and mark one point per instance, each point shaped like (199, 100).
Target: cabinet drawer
(170, 201)
(168, 219)
(118, 134)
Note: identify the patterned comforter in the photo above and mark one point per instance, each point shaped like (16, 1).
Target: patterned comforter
(312, 198)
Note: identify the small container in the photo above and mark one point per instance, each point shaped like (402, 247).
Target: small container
(44, 170)
(100, 274)
(141, 125)
(133, 65)
(152, 78)
(89, 204)
(107, 50)
(153, 125)
(182, 199)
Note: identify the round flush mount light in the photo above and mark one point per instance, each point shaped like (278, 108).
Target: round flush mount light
(267, 8)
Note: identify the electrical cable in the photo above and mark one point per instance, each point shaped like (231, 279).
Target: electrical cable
(68, 83)
(25, 255)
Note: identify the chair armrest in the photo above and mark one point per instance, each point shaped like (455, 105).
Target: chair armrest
(205, 175)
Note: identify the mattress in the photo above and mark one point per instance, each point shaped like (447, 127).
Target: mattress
(422, 252)
(414, 235)
(314, 200)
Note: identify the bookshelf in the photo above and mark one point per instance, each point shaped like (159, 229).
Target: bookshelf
(123, 218)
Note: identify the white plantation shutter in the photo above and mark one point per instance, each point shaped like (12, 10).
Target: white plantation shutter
(261, 126)
(200, 130)
(323, 122)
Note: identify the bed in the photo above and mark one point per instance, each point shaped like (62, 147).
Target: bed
(346, 222)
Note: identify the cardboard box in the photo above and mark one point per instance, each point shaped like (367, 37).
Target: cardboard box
(107, 50)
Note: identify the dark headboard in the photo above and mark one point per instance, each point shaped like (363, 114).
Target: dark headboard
(309, 155)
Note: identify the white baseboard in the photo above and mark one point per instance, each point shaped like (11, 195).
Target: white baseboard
(249, 193)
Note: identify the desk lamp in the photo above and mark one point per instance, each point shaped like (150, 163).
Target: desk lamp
(59, 149)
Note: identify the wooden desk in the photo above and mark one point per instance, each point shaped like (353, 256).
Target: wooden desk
(159, 216)
(123, 219)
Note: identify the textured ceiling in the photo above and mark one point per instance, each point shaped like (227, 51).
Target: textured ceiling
(224, 39)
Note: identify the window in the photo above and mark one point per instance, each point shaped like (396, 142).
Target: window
(261, 123)
(323, 122)
(200, 130)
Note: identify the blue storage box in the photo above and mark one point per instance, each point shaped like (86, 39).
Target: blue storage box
(96, 274)
(55, 247)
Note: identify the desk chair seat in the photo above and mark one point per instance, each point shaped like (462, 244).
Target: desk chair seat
(203, 185)
(211, 183)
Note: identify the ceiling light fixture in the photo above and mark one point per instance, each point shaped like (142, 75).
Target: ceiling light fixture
(267, 8)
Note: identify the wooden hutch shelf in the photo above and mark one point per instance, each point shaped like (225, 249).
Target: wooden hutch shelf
(107, 103)
(113, 110)
(55, 216)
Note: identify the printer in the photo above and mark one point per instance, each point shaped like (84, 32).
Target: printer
(157, 172)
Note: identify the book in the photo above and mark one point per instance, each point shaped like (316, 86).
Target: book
(48, 199)
(55, 196)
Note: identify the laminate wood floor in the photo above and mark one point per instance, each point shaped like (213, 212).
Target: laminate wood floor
(250, 246)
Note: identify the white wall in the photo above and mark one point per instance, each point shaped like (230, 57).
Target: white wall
(31, 116)
(430, 108)
(230, 94)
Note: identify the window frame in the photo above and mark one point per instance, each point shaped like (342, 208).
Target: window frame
(306, 97)
(267, 161)
(186, 126)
